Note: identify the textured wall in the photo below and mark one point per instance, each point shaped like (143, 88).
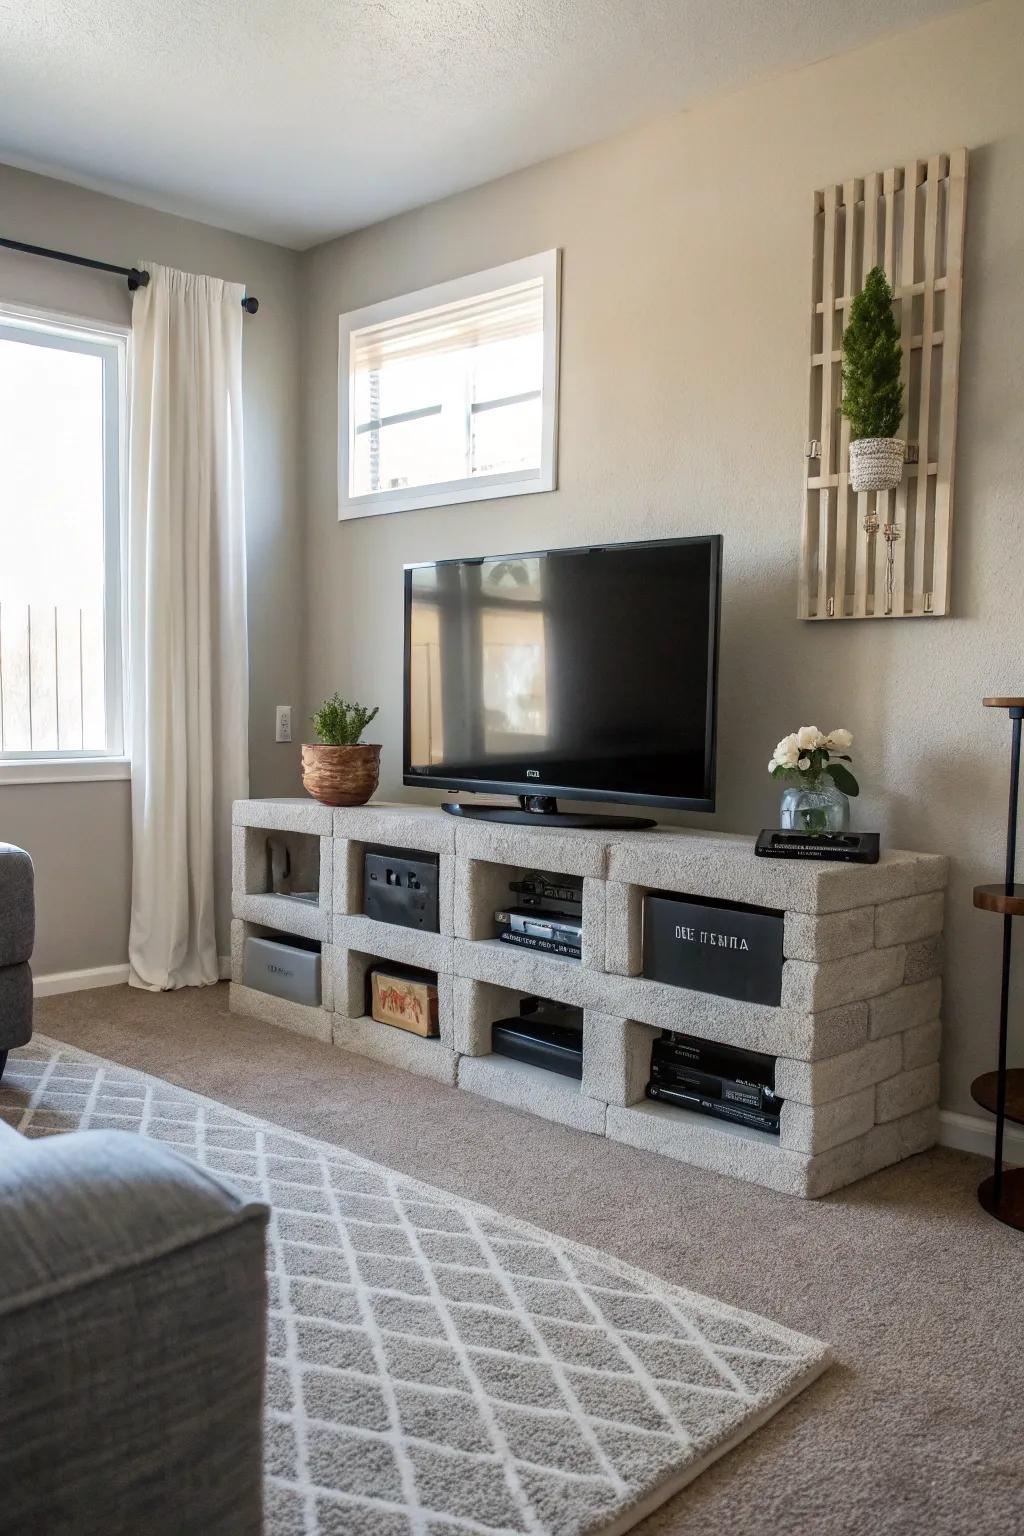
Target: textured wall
(684, 339)
(80, 834)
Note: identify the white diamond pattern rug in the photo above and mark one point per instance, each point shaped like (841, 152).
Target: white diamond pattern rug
(435, 1368)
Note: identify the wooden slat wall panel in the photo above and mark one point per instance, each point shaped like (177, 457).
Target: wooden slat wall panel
(910, 219)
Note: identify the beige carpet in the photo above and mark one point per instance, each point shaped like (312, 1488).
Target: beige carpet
(918, 1426)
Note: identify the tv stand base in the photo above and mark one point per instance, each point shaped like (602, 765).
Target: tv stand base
(542, 811)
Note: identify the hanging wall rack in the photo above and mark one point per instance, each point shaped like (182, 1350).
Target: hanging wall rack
(886, 554)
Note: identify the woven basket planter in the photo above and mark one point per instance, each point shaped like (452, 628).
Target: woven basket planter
(340, 775)
(876, 463)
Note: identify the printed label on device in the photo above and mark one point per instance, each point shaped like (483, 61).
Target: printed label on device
(719, 947)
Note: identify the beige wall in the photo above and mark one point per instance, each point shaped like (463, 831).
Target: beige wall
(80, 835)
(684, 340)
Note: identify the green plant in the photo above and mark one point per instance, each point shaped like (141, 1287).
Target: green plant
(339, 724)
(872, 359)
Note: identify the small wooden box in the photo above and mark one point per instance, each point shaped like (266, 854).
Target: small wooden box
(404, 1001)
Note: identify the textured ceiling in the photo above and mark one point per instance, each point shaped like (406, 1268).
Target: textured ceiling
(297, 120)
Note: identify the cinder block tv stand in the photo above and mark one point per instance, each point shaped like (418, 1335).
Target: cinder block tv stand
(856, 1033)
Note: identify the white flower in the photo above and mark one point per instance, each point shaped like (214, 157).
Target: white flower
(772, 765)
(808, 737)
(804, 763)
(787, 752)
(840, 738)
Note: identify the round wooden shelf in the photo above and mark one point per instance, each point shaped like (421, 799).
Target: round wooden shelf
(1003, 703)
(994, 898)
(1010, 1210)
(983, 1092)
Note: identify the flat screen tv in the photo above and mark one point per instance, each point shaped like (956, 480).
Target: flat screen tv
(587, 673)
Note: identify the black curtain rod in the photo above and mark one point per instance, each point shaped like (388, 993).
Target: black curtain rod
(136, 279)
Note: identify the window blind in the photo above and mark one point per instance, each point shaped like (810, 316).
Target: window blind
(507, 314)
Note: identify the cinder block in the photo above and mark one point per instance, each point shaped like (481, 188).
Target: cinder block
(350, 999)
(297, 813)
(624, 908)
(924, 959)
(594, 923)
(853, 1160)
(689, 1137)
(302, 1020)
(348, 877)
(284, 913)
(752, 1026)
(478, 1005)
(529, 972)
(818, 1082)
(917, 1132)
(240, 931)
(425, 827)
(573, 851)
(326, 882)
(882, 1146)
(811, 987)
(248, 860)
(724, 866)
(481, 889)
(522, 1086)
(832, 936)
(910, 918)
(904, 1008)
(806, 1128)
(906, 1093)
(395, 1048)
(616, 1058)
(921, 1045)
(387, 941)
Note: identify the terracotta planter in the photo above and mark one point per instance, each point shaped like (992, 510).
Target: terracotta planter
(340, 775)
(876, 463)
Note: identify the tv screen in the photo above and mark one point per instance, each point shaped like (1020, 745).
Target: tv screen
(588, 673)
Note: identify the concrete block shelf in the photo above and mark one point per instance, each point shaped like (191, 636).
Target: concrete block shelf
(856, 1035)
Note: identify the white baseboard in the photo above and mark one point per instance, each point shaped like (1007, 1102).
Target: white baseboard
(970, 1133)
(99, 976)
(79, 981)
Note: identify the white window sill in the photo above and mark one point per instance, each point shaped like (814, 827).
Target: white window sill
(63, 770)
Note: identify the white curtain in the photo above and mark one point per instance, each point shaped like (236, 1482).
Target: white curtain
(188, 659)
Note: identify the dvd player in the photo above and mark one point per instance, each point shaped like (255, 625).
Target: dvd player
(545, 1034)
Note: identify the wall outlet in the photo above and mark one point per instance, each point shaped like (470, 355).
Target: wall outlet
(283, 728)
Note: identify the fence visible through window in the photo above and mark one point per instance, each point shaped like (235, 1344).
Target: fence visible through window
(51, 678)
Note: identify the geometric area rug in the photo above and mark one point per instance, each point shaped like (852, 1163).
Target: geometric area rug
(436, 1368)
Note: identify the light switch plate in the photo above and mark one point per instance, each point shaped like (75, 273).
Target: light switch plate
(283, 730)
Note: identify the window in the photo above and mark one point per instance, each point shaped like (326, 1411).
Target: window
(450, 394)
(61, 433)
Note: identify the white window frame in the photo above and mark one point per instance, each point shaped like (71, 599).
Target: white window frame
(546, 265)
(73, 333)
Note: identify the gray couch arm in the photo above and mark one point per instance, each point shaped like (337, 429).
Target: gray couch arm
(17, 936)
(17, 905)
(132, 1336)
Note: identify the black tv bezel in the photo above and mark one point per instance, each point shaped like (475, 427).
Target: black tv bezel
(706, 802)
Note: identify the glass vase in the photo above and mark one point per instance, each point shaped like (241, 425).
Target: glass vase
(815, 807)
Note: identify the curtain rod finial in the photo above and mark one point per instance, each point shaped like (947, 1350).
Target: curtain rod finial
(250, 305)
(137, 279)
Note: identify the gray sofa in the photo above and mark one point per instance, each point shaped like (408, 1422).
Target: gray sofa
(132, 1336)
(17, 935)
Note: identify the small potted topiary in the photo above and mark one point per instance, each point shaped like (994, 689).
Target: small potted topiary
(873, 388)
(338, 768)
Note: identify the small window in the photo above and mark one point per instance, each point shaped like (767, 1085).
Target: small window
(450, 394)
(61, 436)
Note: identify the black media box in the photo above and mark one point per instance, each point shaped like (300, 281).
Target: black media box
(400, 886)
(714, 946)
